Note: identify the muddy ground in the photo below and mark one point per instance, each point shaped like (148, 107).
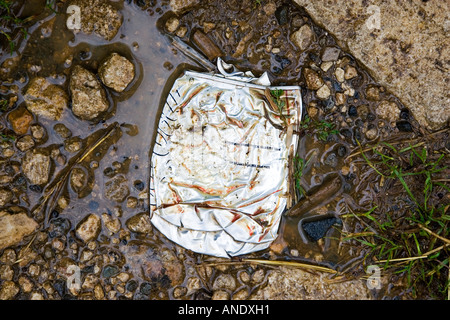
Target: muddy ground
(79, 106)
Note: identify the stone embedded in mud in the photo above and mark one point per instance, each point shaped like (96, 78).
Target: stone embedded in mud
(371, 133)
(350, 72)
(45, 99)
(330, 54)
(14, 227)
(116, 72)
(78, 179)
(181, 6)
(340, 74)
(62, 131)
(172, 24)
(323, 92)
(88, 96)
(5, 196)
(25, 143)
(140, 223)
(111, 223)
(303, 37)
(20, 120)
(117, 189)
(404, 126)
(313, 81)
(373, 93)
(89, 228)
(316, 230)
(9, 290)
(36, 166)
(224, 281)
(100, 17)
(388, 110)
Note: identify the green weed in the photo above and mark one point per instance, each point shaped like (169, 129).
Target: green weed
(417, 244)
(299, 166)
(280, 104)
(322, 128)
(12, 22)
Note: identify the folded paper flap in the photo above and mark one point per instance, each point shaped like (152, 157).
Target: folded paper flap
(223, 143)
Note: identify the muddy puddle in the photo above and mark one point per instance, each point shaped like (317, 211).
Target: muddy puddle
(93, 212)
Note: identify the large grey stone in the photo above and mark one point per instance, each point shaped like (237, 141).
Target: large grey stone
(407, 52)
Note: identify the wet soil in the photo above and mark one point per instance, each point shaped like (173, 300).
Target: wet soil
(128, 259)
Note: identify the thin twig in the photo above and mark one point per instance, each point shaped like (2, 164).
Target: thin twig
(54, 191)
(291, 264)
(425, 255)
(434, 234)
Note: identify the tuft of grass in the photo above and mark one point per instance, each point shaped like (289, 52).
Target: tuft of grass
(279, 103)
(11, 22)
(321, 128)
(7, 137)
(417, 244)
(299, 166)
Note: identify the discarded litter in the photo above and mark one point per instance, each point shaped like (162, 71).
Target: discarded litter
(219, 165)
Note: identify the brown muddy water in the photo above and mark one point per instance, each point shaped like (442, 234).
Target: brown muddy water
(131, 260)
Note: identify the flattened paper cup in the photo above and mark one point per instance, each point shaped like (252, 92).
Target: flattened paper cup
(219, 164)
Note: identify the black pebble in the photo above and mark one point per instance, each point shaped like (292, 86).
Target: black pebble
(110, 271)
(317, 229)
(352, 111)
(35, 188)
(282, 14)
(341, 151)
(404, 114)
(404, 126)
(146, 288)
(139, 185)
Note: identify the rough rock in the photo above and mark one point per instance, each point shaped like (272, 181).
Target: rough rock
(62, 131)
(9, 290)
(89, 228)
(296, 284)
(330, 54)
(224, 281)
(313, 80)
(140, 223)
(99, 17)
(5, 196)
(36, 166)
(88, 95)
(303, 37)
(404, 45)
(14, 227)
(388, 110)
(25, 143)
(78, 179)
(116, 72)
(20, 120)
(45, 99)
(324, 92)
(117, 189)
(181, 6)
